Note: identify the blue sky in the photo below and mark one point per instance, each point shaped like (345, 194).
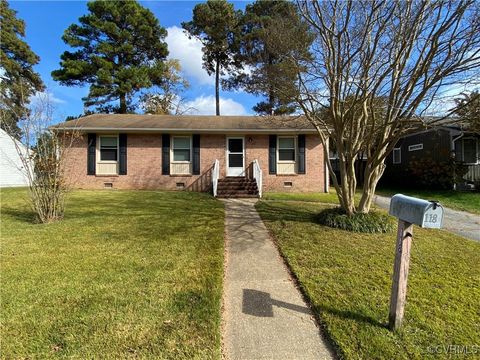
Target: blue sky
(47, 20)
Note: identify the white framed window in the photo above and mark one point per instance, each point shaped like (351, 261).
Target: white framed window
(286, 149)
(286, 155)
(181, 149)
(108, 148)
(397, 155)
(181, 155)
(415, 147)
(470, 150)
(332, 154)
(107, 155)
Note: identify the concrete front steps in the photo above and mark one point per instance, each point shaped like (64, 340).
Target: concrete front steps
(237, 187)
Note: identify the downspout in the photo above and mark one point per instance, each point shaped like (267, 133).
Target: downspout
(327, 174)
(452, 146)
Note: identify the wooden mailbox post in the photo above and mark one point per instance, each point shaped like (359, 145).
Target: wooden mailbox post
(409, 211)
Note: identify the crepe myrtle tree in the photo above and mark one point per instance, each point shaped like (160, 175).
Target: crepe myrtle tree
(377, 67)
(42, 153)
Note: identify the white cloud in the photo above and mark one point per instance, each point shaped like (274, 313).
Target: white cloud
(46, 96)
(189, 52)
(444, 100)
(205, 105)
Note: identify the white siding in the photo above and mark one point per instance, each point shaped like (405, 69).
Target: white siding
(473, 173)
(11, 173)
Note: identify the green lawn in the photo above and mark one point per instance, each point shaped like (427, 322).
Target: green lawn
(457, 200)
(126, 274)
(327, 198)
(347, 278)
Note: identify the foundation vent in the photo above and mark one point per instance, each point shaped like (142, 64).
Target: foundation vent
(180, 185)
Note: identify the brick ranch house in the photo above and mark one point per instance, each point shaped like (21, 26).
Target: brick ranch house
(231, 155)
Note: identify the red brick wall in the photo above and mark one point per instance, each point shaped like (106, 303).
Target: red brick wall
(144, 168)
(312, 180)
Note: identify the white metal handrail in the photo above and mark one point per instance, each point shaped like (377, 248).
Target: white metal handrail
(215, 175)
(257, 175)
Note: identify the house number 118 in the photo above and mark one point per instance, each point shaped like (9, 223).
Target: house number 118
(432, 218)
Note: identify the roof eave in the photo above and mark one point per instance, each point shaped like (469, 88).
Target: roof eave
(176, 130)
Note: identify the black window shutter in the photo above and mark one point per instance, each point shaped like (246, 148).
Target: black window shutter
(91, 152)
(196, 154)
(272, 154)
(122, 142)
(301, 154)
(165, 154)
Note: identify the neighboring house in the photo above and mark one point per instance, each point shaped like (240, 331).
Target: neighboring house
(234, 155)
(11, 167)
(438, 144)
(360, 165)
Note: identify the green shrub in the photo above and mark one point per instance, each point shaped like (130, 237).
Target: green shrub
(373, 222)
(440, 175)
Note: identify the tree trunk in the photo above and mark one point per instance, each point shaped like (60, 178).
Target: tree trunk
(372, 176)
(123, 104)
(271, 92)
(346, 189)
(217, 88)
(271, 101)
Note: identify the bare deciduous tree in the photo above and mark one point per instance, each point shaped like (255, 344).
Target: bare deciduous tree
(42, 154)
(168, 99)
(377, 67)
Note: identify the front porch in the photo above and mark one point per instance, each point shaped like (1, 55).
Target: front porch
(248, 184)
(237, 187)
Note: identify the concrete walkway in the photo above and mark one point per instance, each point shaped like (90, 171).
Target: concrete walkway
(458, 222)
(264, 314)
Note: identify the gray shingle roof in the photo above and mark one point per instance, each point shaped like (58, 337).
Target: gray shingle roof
(188, 123)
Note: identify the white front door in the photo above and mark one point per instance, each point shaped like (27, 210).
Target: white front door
(235, 156)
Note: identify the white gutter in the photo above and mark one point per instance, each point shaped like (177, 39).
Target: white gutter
(452, 145)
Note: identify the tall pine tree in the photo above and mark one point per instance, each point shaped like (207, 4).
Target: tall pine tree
(18, 79)
(215, 24)
(121, 50)
(272, 34)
